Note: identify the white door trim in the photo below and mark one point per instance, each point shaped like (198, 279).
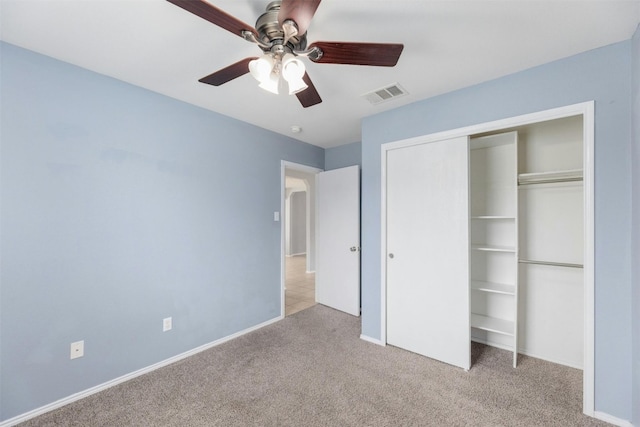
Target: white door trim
(284, 164)
(586, 109)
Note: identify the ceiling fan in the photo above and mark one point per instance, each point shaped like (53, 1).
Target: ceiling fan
(281, 33)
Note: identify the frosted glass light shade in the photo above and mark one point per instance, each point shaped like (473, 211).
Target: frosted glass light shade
(297, 85)
(292, 71)
(271, 83)
(267, 72)
(292, 68)
(261, 68)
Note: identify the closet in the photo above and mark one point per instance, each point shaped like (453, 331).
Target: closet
(518, 272)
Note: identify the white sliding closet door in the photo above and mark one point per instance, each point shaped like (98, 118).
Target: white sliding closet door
(427, 264)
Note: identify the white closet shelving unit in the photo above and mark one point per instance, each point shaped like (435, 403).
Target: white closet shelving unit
(494, 240)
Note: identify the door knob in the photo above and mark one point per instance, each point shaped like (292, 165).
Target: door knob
(354, 249)
(391, 256)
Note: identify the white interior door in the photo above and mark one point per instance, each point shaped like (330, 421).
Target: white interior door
(427, 264)
(338, 240)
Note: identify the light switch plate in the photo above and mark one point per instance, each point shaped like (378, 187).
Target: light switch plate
(77, 349)
(167, 324)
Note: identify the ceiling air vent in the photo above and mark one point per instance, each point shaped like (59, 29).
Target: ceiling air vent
(384, 94)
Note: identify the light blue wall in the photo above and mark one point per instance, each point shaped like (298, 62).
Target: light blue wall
(343, 156)
(636, 226)
(603, 75)
(121, 207)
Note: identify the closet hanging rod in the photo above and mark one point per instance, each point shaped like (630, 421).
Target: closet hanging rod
(549, 181)
(568, 175)
(555, 264)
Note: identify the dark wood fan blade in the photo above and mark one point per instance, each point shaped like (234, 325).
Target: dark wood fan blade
(229, 73)
(214, 15)
(301, 11)
(377, 54)
(309, 96)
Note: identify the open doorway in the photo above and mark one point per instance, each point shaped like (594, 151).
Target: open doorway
(298, 238)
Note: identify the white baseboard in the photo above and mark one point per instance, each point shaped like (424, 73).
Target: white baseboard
(81, 395)
(611, 419)
(552, 360)
(372, 340)
(88, 392)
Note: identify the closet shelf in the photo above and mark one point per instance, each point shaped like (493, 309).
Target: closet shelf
(550, 177)
(492, 324)
(497, 288)
(493, 248)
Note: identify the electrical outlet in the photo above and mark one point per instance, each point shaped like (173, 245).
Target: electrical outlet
(166, 324)
(77, 349)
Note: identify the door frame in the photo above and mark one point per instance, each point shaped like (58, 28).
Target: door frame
(284, 164)
(584, 109)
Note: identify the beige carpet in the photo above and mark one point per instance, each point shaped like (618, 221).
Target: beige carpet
(311, 369)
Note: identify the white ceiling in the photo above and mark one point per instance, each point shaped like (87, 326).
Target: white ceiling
(448, 45)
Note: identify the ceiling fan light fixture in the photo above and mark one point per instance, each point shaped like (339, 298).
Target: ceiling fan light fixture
(268, 69)
(292, 68)
(296, 85)
(261, 68)
(271, 83)
(292, 71)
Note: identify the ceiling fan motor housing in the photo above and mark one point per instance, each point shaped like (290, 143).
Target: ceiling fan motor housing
(271, 33)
